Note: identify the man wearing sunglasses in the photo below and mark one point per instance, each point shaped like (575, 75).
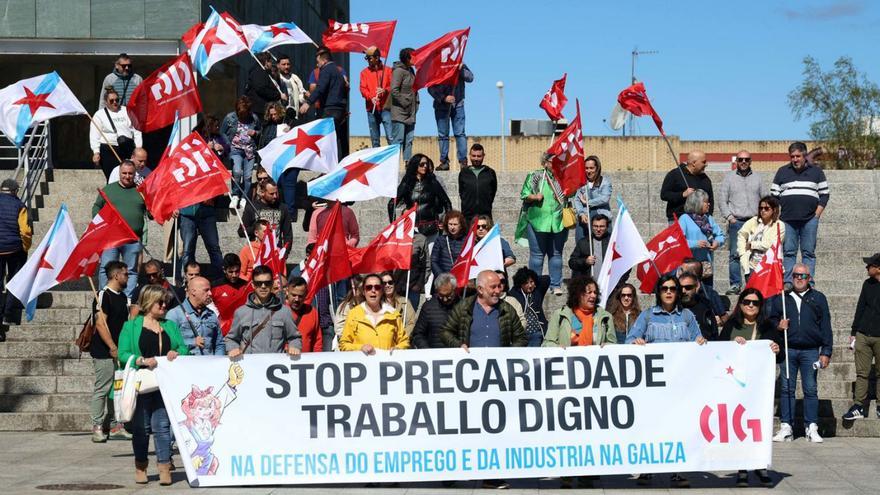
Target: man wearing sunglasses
(808, 325)
(693, 299)
(263, 325)
(123, 79)
(803, 194)
(738, 198)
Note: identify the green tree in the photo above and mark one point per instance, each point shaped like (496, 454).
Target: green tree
(845, 108)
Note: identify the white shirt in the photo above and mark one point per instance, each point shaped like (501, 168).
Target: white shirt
(123, 128)
(295, 91)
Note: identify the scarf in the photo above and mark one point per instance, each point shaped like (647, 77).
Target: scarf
(702, 222)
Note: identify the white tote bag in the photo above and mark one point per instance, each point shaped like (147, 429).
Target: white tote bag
(125, 392)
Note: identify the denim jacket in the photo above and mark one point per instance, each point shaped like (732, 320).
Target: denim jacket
(657, 326)
(206, 325)
(598, 198)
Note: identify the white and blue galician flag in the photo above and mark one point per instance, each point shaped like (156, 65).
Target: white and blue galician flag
(34, 100)
(40, 272)
(625, 250)
(309, 146)
(218, 40)
(487, 253)
(362, 175)
(262, 38)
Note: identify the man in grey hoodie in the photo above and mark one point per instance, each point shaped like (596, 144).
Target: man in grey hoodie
(123, 79)
(264, 314)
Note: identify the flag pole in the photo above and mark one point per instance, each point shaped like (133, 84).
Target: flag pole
(674, 158)
(246, 236)
(784, 312)
(104, 137)
(274, 83)
(406, 297)
(174, 252)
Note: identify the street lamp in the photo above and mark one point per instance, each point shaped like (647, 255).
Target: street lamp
(500, 86)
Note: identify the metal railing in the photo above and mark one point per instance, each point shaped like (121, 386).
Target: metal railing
(33, 159)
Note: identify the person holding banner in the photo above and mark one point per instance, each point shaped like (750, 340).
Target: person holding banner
(666, 321)
(543, 200)
(484, 320)
(145, 338)
(581, 321)
(373, 324)
(529, 290)
(263, 325)
(806, 320)
(197, 322)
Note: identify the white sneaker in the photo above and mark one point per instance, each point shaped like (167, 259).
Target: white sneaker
(813, 433)
(233, 202)
(785, 434)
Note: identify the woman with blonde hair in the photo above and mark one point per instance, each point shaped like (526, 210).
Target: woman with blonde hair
(144, 338)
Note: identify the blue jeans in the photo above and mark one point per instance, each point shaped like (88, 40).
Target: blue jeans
(203, 223)
(149, 417)
(287, 186)
(535, 339)
(734, 270)
(442, 116)
(799, 360)
(800, 235)
(374, 119)
(402, 134)
(242, 172)
(547, 244)
(129, 254)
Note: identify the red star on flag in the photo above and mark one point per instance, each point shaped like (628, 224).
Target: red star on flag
(43, 263)
(304, 141)
(614, 254)
(729, 370)
(278, 30)
(34, 101)
(210, 39)
(357, 171)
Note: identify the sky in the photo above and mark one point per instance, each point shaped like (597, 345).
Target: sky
(723, 71)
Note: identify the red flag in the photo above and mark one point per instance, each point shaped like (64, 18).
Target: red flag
(767, 276)
(107, 230)
(270, 255)
(190, 35)
(391, 249)
(634, 99)
(358, 36)
(190, 174)
(439, 61)
(668, 250)
(462, 266)
(329, 261)
(568, 156)
(172, 88)
(554, 100)
(227, 299)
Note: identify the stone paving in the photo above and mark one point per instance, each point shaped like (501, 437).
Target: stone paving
(33, 461)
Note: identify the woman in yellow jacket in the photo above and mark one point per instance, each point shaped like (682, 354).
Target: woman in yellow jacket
(372, 324)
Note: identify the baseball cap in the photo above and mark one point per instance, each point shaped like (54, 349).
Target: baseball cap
(873, 260)
(9, 185)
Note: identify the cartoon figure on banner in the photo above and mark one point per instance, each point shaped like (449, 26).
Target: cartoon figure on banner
(203, 410)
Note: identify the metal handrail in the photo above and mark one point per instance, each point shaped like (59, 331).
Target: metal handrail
(33, 159)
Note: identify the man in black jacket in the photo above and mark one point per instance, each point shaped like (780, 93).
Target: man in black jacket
(267, 207)
(332, 95)
(433, 315)
(692, 298)
(683, 180)
(477, 185)
(262, 85)
(865, 337)
(586, 259)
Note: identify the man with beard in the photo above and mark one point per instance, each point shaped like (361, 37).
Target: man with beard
(692, 299)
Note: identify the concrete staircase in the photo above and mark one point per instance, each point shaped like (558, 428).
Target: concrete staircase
(45, 386)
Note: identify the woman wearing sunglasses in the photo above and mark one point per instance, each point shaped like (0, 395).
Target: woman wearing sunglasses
(373, 324)
(624, 308)
(112, 131)
(759, 234)
(748, 323)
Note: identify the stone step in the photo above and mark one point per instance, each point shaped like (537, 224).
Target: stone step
(836, 427)
(73, 402)
(43, 333)
(45, 421)
(46, 384)
(43, 350)
(46, 366)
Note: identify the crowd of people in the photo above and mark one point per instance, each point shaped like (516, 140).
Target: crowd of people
(369, 312)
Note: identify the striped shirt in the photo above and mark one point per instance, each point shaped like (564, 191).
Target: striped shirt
(800, 192)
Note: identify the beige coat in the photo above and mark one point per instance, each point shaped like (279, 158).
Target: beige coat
(748, 229)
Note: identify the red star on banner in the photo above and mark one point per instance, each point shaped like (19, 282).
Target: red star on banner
(210, 39)
(43, 263)
(729, 370)
(304, 141)
(357, 171)
(34, 101)
(278, 30)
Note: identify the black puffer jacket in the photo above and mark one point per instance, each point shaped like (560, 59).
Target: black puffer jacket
(432, 200)
(432, 317)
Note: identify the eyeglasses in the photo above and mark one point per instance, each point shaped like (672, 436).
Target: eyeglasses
(764, 208)
(113, 100)
(161, 304)
(626, 295)
(388, 282)
(372, 287)
(668, 288)
(743, 160)
(262, 178)
(125, 66)
(801, 276)
(423, 164)
(482, 226)
(689, 286)
(153, 275)
(751, 302)
(262, 283)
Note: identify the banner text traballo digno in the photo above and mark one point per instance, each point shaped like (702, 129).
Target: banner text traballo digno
(448, 414)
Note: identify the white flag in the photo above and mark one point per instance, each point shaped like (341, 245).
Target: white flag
(625, 250)
(487, 254)
(361, 176)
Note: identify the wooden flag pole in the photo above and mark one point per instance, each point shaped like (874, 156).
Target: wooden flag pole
(104, 137)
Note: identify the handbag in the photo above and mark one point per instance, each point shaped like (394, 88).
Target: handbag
(84, 339)
(569, 217)
(145, 381)
(125, 392)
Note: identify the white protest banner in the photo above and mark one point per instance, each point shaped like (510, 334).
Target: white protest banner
(492, 413)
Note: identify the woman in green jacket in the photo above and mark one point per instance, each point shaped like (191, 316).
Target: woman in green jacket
(145, 338)
(581, 321)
